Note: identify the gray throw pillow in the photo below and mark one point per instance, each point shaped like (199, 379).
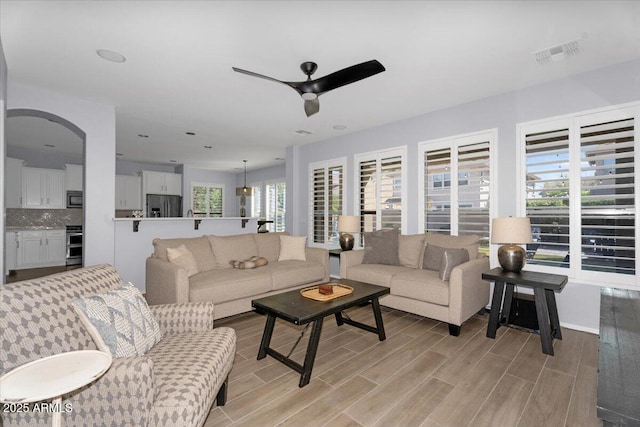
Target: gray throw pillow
(381, 247)
(450, 259)
(433, 257)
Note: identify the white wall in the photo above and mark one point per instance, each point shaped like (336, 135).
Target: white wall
(126, 167)
(98, 121)
(578, 304)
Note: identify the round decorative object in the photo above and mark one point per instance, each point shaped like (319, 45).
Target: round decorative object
(346, 241)
(512, 258)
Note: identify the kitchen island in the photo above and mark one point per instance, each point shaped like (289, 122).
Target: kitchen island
(134, 237)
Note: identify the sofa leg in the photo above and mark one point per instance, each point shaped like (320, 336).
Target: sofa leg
(454, 330)
(221, 397)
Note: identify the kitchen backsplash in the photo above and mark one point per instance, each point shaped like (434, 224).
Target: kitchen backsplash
(43, 217)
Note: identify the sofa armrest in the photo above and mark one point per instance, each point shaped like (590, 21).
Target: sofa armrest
(165, 282)
(319, 255)
(349, 259)
(468, 293)
(184, 318)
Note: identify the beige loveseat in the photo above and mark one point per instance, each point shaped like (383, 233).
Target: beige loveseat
(230, 289)
(173, 384)
(421, 291)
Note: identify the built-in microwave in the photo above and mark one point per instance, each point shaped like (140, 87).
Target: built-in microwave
(74, 199)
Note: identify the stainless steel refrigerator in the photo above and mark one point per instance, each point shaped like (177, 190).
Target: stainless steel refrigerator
(163, 206)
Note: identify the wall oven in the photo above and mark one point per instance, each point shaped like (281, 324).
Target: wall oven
(74, 199)
(74, 244)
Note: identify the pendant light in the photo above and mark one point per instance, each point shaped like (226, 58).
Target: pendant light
(244, 191)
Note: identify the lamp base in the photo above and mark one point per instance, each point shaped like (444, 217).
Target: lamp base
(346, 241)
(512, 258)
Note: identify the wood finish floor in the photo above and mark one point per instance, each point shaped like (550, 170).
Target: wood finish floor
(419, 376)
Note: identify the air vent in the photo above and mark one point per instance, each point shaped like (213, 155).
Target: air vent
(302, 132)
(557, 53)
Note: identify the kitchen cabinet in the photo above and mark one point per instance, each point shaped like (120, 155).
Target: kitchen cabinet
(13, 179)
(11, 250)
(74, 177)
(161, 183)
(43, 188)
(128, 192)
(40, 248)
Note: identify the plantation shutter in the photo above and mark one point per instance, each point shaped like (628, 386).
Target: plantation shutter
(473, 191)
(319, 200)
(437, 189)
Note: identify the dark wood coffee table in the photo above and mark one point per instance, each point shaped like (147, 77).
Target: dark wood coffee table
(293, 307)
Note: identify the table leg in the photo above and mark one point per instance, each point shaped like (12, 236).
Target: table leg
(266, 336)
(312, 349)
(506, 305)
(377, 314)
(339, 319)
(553, 313)
(496, 302)
(543, 320)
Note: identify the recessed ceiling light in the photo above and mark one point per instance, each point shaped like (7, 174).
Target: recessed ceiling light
(141, 135)
(190, 133)
(49, 145)
(340, 127)
(208, 146)
(173, 161)
(302, 132)
(110, 55)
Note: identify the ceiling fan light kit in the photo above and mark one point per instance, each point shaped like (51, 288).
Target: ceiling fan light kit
(309, 90)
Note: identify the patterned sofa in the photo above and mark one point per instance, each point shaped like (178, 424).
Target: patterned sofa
(230, 289)
(174, 384)
(416, 284)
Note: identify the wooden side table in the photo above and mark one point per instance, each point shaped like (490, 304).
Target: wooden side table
(544, 286)
(52, 377)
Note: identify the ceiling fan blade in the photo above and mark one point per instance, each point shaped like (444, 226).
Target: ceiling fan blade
(311, 107)
(346, 76)
(252, 74)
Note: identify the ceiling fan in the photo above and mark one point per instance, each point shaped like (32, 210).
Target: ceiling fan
(310, 90)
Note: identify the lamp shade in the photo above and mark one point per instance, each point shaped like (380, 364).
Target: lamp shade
(348, 224)
(511, 230)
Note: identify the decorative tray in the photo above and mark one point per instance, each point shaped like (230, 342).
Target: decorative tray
(339, 290)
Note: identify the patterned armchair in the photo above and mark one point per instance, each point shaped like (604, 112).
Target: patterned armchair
(175, 383)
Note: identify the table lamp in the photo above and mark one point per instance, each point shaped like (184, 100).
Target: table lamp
(348, 224)
(511, 232)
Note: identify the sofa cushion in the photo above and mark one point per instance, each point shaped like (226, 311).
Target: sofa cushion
(286, 274)
(198, 246)
(381, 247)
(450, 259)
(433, 257)
(182, 257)
(410, 250)
(228, 248)
(187, 369)
(119, 321)
(268, 245)
(292, 248)
(228, 284)
(470, 242)
(376, 274)
(421, 285)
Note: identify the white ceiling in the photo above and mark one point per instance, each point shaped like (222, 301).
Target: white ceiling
(178, 78)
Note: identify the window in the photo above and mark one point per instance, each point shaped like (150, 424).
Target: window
(256, 201)
(276, 205)
(579, 191)
(381, 194)
(326, 189)
(206, 199)
(456, 180)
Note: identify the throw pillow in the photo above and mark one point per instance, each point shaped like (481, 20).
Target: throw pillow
(119, 321)
(292, 248)
(432, 257)
(182, 257)
(253, 262)
(410, 249)
(450, 259)
(381, 247)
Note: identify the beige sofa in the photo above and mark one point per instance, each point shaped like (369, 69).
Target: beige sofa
(230, 289)
(173, 384)
(420, 291)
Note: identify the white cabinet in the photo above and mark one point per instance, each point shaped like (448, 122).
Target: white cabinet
(128, 192)
(161, 183)
(74, 177)
(13, 182)
(11, 250)
(36, 248)
(43, 188)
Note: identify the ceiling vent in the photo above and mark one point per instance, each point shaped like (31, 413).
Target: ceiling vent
(302, 132)
(557, 53)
